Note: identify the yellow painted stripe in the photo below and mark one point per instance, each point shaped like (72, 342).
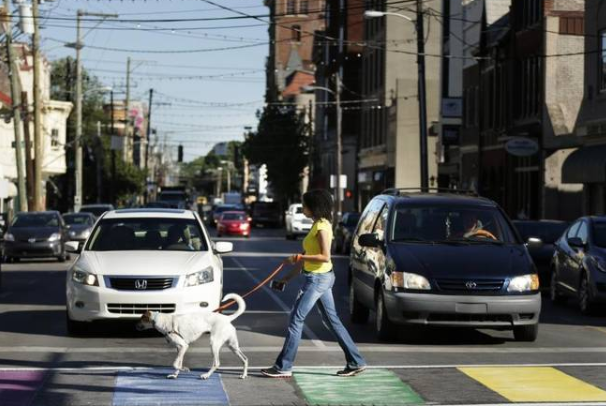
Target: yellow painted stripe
(535, 384)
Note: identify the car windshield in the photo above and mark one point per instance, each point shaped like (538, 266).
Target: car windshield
(267, 208)
(96, 210)
(599, 234)
(548, 232)
(76, 219)
(221, 209)
(35, 220)
(448, 224)
(352, 220)
(299, 210)
(234, 216)
(152, 234)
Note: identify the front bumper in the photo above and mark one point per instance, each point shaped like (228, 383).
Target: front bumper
(233, 230)
(300, 229)
(463, 310)
(43, 249)
(90, 303)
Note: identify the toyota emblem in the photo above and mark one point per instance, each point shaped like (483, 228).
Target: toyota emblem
(471, 285)
(141, 284)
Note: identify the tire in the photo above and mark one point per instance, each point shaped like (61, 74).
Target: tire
(526, 333)
(358, 313)
(584, 298)
(75, 328)
(384, 327)
(62, 258)
(554, 294)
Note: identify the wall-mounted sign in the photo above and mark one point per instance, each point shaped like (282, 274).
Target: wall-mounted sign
(521, 146)
(452, 107)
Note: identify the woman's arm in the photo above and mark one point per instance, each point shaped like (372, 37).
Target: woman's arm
(324, 255)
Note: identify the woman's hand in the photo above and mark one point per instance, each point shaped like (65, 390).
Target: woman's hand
(293, 259)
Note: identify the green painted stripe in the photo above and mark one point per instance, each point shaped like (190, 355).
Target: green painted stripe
(372, 387)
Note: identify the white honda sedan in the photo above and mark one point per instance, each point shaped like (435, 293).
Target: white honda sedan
(144, 259)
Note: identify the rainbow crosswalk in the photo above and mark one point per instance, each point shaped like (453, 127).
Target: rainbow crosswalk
(480, 385)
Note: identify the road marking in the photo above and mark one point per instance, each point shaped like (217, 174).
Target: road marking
(18, 388)
(314, 338)
(376, 387)
(150, 387)
(535, 384)
(600, 329)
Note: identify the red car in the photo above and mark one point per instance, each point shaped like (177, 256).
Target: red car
(234, 223)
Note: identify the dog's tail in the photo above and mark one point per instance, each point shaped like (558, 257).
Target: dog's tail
(241, 305)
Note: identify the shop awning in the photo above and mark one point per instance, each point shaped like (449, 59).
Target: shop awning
(585, 165)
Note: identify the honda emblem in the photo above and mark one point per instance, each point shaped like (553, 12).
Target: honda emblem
(141, 284)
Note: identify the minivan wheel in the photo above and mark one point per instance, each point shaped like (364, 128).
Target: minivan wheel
(555, 295)
(384, 327)
(526, 333)
(75, 328)
(586, 304)
(358, 313)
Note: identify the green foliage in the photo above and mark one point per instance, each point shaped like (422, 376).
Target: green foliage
(280, 142)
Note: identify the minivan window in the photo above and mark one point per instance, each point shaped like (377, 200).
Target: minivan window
(381, 223)
(583, 233)
(445, 224)
(572, 232)
(599, 234)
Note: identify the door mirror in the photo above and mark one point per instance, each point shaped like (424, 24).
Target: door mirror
(73, 247)
(224, 247)
(370, 240)
(576, 242)
(534, 243)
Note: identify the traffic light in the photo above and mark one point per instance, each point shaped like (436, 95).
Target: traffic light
(180, 153)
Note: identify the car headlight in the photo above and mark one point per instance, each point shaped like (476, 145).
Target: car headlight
(524, 283)
(599, 263)
(84, 278)
(244, 226)
(199, 278)
(9, 237)
(86, 234)
(54, 237)
(408, 280)
(72, 233)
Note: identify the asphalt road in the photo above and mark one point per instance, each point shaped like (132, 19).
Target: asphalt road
(115, 365)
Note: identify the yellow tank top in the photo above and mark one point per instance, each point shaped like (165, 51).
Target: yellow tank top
(311, 246)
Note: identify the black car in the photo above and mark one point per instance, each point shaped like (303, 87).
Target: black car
(579, 264)
(79, 225)
(36, 235)
(266, 214)
(442, 259)
(548, 232)
(344, 232)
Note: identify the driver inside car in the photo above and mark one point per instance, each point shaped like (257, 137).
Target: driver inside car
(470, 227)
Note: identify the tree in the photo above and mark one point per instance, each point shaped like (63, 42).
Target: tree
(281, 143)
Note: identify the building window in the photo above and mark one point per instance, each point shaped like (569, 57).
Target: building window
(55, 139)
(296, 33)
(602, 56)
(291, 7)
(304, 7)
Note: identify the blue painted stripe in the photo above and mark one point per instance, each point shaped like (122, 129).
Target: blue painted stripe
(151, 388)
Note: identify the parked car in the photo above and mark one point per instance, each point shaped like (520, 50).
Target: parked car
(96, 209)
(266, 214)
(158, 205)
(544, 234)
(219, 210)
(441, 259)
(579, 264)
(36, 235)
(79, 225)
(234, 223)
(344, 232)
(296, 222)
(140, 259)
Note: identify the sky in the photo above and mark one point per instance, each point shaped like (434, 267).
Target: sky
(196, 112)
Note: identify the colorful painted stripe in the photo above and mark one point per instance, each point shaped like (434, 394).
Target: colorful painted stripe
(535, 384)
(18, 388)
(147, 388)
(372, 387)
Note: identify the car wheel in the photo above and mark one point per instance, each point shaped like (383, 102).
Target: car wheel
(385, 329)
(75, 328)
(586, 304)
(358, 313)
(555, 295)
(526, 333)
(62, 258)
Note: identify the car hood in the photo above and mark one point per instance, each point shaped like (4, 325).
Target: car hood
(144, 262)
(464, 261)
(23, 233)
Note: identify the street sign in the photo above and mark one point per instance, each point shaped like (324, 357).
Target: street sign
(521, 146)
(333, 181)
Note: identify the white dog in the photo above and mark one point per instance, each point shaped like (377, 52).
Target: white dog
(182, 330)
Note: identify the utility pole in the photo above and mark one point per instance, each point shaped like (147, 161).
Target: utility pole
(78, 141)
(15, 107)
(339, 147)
(127, 111)
(29, 163)
(99, 162)
(38, 136)
(422, 96)
(112, 135)
(147, 138)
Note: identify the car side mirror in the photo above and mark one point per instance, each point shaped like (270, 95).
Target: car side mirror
(73, 247)
(534, 243)
(224, 247)
(369, 240)
(576, 242)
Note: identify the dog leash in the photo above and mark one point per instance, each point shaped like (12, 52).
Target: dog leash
(253, 290)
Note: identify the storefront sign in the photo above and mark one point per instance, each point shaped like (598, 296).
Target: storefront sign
(520, 146)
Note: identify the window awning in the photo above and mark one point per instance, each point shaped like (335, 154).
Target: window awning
(585, 165)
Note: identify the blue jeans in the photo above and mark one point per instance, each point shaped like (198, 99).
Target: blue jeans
(317, 288)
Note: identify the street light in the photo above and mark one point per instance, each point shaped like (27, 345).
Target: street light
(337, 96)
(421, 83)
